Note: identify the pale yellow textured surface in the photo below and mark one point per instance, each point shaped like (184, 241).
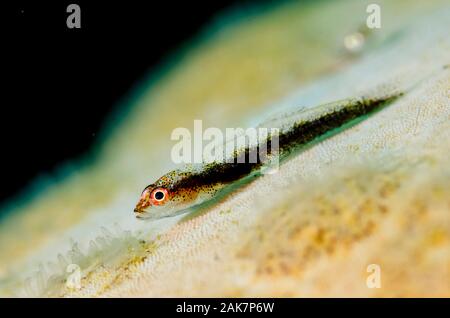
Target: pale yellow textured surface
(377, 193)
(320, 230)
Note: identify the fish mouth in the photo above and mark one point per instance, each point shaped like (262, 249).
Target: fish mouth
(141, 207)
(140, 213)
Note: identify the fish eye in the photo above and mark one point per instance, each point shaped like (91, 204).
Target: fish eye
(159, 196)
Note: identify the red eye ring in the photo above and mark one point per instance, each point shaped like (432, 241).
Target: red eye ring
(159, 196)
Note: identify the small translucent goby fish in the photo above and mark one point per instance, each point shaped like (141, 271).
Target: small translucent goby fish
(181, 190)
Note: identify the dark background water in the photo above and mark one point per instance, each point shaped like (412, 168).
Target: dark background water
(60, 84)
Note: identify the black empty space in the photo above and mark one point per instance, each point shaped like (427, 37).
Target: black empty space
(60, 84)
